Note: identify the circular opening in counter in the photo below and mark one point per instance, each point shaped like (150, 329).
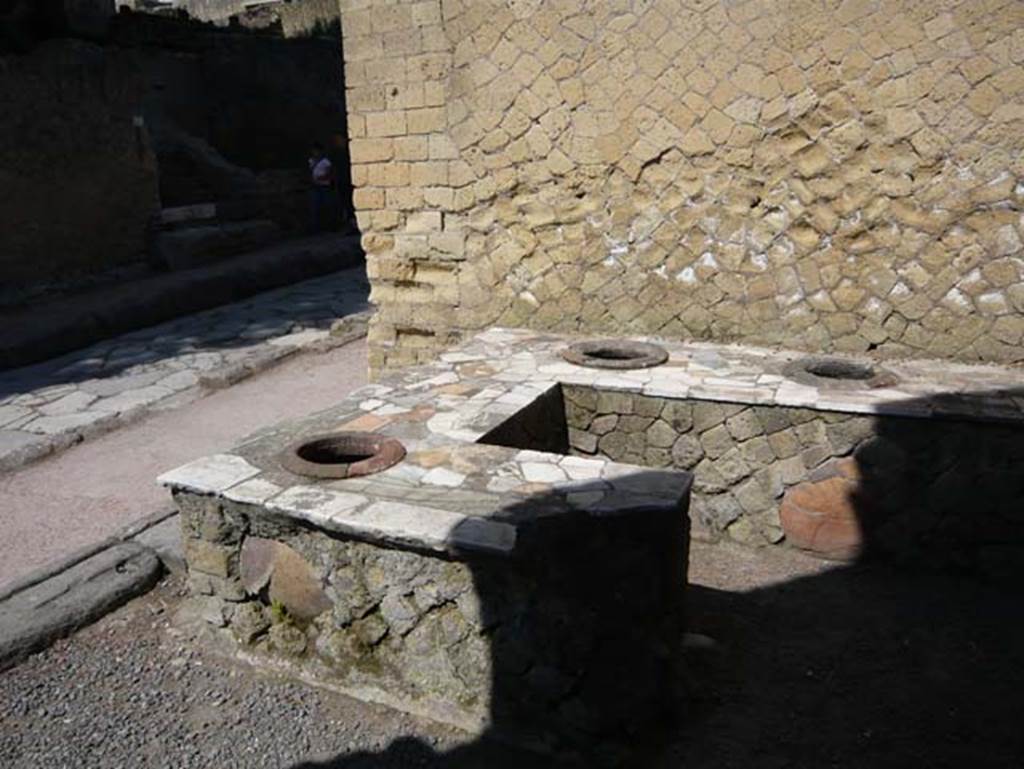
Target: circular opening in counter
(615, 353)
(838, 372)
(342, 455)
(834, 368)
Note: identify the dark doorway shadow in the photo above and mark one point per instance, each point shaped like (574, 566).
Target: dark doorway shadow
(911, 656)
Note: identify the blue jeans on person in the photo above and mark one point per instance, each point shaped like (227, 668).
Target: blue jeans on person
(320, 206)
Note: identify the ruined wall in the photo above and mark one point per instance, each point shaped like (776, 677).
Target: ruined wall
(815, 174)
(78, 177)
(296, 18)
(80, 182)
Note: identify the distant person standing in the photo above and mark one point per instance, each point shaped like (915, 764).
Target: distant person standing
(322, 176)
(338, 154)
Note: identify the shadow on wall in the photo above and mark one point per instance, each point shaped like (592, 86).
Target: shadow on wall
(172, 113)
(892, 661)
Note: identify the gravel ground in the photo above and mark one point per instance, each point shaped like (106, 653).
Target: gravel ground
(814, 666)
(130, 692)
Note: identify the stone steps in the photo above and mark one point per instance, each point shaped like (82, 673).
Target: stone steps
(199, 244)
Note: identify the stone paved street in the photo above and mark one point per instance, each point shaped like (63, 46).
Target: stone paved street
(50, 406)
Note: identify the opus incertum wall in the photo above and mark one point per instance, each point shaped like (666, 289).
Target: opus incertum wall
(521, 568)
(828, 176)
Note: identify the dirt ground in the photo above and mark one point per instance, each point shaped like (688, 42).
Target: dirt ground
(850, 666)
(813, 665)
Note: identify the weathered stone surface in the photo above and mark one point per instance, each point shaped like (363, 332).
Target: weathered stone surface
(784, 444)
(744, 425)
(707, 415)
(18, 448)
(717, 441)
(604, 424)
(209, 558)
(719, 510)
(399, 612)
(69, 404)
(678, 414)
(757, 452)
(661, 435)
(67, 423)
(256, 563)
(687, 451)
(569, 208)
(38, 614)
(250, 620)
(287, 639)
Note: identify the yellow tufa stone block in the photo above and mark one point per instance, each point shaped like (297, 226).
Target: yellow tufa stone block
(835, 181)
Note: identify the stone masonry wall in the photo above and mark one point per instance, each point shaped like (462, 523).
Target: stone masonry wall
(943, 492)
(79, 178)
(819, 175)
(543, 646)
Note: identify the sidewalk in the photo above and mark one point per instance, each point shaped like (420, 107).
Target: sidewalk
(174, 392)
(53, 508)
(50, 406)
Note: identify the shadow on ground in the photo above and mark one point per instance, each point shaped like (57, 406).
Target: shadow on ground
(312, 304)
(913, 656)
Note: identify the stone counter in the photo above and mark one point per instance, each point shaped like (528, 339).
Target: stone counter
(528, 554)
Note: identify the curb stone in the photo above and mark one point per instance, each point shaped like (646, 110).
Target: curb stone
(18, 448)
(34, 617)
(64, 595)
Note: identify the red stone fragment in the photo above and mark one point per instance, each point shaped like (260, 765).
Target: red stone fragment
(292, 580)
(820, 517)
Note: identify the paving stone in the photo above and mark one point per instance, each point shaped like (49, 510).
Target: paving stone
(11, 413)
(299, 338)
(181, 380)
(18, 448)
(140, 370)
(71, 403)
(543, 472)
(134, 399)
(115, 385)
(66, 423)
